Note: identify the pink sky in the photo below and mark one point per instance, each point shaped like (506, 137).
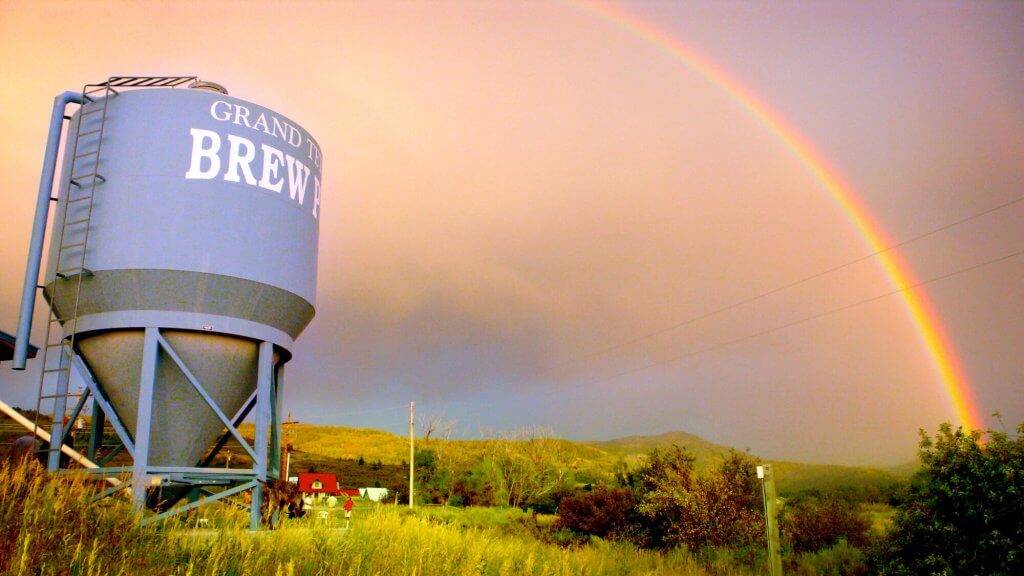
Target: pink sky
(510, 187)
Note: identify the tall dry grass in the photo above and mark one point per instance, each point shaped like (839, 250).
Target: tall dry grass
(49, 527)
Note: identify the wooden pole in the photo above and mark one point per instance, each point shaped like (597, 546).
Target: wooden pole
(771, 513)
(412, 451)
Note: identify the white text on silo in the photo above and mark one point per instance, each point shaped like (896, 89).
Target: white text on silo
(205, 164)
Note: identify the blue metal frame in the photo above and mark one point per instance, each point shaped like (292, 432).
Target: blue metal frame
(144, 421)
(265, 401)
(75, 412)
(249, 404)
(265, 450)
(95, 431)
(253, 484)
(264, 415)
(99, 399)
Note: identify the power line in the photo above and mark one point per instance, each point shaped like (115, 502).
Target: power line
(785, 326)
(772, 330)
(793, 284)
(812, 317)
(760, 296)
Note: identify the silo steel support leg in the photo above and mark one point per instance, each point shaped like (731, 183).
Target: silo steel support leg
(95, 431)
(147, 380)
(274, 469)
(264, 415)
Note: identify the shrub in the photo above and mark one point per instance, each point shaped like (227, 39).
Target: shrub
(722, 508)
(604, 512)
(964, 511)
(812, 524)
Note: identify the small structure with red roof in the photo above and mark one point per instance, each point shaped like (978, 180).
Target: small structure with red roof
(314, 483)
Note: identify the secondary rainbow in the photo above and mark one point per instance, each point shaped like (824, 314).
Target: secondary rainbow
(923, 315)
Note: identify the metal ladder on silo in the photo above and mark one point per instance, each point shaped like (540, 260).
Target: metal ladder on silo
(54, 381)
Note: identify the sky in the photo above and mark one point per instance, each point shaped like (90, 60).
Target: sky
(515, 193)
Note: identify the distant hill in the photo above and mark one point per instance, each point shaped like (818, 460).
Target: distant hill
(791, 476)
(385, 455)
(595, 460)
(704, 451)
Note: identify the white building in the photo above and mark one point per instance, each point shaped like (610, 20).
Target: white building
(374, 494)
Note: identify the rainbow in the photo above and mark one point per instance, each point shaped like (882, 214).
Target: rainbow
(919, 307)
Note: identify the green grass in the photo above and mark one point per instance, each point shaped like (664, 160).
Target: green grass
(49, 527)
(881, 517)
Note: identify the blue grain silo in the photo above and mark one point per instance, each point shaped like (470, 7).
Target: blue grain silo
(181, 269)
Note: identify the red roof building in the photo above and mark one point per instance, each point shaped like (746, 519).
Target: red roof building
(318, 483)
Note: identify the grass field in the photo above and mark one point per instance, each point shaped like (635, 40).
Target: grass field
(49, 527)
(46, 523)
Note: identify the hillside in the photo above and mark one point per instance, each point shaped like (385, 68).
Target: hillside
(312, 442)
(791, 476)
(385, 456)
(628, 447)
(595, 460)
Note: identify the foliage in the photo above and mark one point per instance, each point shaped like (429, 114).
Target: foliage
(964, 513)
(521, 469)
(603, 512)
(50, 528)
(811, 524)
(677, 507)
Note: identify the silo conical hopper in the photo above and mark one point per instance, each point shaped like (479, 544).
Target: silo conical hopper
(205, 228)
(183, 426)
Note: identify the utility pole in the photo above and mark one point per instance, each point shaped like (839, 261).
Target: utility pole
(412, 450)
(771, 516)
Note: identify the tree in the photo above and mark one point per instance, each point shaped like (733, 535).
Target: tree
(524, 466)
(662, 487)
(964, 513)
(449, 458)
(722, 508)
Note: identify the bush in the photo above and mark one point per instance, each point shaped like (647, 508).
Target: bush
(964, 511)
(812, 524)
(722, 508)
(603, 512)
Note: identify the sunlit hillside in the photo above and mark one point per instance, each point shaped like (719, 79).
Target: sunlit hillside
(592, 460)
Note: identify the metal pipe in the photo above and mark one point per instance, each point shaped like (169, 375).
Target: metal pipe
(45, 436)
(35, 244)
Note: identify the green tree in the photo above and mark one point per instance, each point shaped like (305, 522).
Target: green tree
(964, 513)
(676, 507)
